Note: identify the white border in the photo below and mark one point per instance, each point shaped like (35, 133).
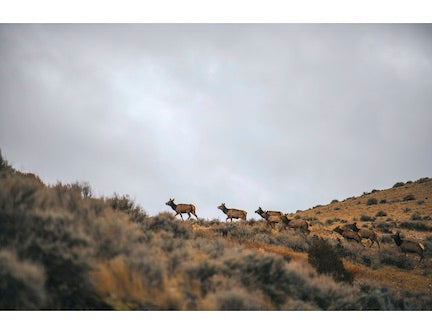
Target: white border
(215, 11)
(72, 322)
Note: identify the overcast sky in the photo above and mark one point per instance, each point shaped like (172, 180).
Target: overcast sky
(279, 116)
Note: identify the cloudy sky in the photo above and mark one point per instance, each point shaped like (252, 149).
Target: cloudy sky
(281, 116)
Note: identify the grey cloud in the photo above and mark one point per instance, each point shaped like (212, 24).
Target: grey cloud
(282, 116)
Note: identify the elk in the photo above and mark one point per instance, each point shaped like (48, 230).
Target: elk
(409, 246)
(182, 208)
(364, 233)
(300, 224)
(348, 234)
(269, 212)
(232, 213)
(271, 217)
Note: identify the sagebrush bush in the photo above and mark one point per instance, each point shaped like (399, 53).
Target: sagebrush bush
(237, 300)
(417, 226)
(409, 197)
(372, 201)
(397, 259)
(423, 180)
(398, 184)
(265, 273)
(22, 284)
(381, 214)
(3, 163)
(325, 260)
(329, 222)
(384, 226)
(383, 201)
(167, 222)
(366, 218)
(125, 204)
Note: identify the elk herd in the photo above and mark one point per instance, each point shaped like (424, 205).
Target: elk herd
(350, 232)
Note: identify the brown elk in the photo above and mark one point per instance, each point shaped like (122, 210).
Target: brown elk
(299, 224)
(348, 234)
(182, 208)
(269, 212)
(409, 246)
(364, 233)
(232, 213)
(271, 217)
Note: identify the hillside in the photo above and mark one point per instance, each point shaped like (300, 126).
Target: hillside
(62, 248)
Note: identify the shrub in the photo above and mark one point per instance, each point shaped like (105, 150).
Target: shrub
(423, 180)
(329, 222)
(374, 191)
(337, 208)
(381, 214)
(21, 284)
(418, 226)
(202, 271)
(372, 201)
(416, 216)
(409, 197)
(166, 222)
(386, 239)
(125, 204)
(384, 227)
(263, 272)
(420, 202)
(365, 218)
(383, 201)
(397, 259)
(334, 201)
(398, 184)
(292, 240)
(237, 300)
(3, 163)
(326, 260)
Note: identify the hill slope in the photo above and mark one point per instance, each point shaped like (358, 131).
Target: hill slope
(61, 248)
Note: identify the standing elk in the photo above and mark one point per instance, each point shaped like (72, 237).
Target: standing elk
(182, 208)
(232, 213)
(348, 234)
(409, 246)
(364, 233)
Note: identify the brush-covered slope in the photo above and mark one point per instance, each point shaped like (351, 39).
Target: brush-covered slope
(61, 248)
(406, 207)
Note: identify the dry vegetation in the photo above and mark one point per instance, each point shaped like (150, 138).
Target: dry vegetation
(61, 248)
